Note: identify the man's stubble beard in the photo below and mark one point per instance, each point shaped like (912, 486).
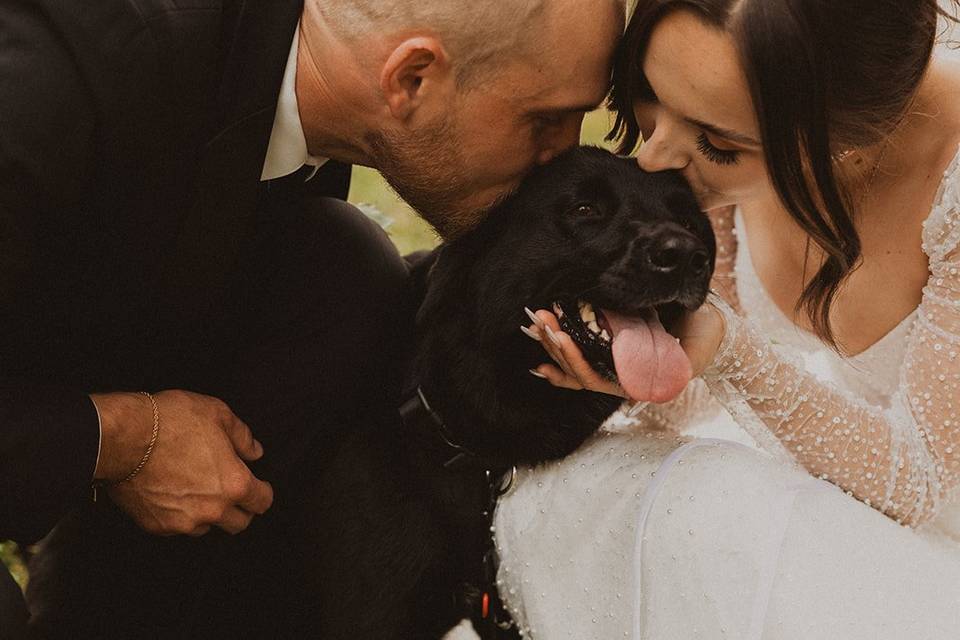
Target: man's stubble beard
(426, 169)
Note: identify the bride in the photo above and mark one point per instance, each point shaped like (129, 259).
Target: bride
(822, 140)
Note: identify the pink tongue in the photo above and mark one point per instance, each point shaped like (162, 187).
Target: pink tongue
(650, 363)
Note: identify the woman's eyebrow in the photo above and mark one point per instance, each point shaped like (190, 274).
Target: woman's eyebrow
(724, 133)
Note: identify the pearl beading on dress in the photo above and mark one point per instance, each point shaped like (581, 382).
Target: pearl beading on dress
(903, 459)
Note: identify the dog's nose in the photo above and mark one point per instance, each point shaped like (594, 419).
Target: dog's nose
(677, 252)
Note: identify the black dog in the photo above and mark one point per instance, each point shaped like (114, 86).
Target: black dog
(402, 516)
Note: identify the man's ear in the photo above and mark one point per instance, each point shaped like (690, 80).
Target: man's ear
(416, 67)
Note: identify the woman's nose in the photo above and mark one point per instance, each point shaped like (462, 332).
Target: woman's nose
(659, 152)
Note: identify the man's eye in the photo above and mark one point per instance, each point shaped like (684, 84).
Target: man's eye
(548, 120)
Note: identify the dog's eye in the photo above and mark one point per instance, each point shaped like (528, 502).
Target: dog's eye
(586, 210)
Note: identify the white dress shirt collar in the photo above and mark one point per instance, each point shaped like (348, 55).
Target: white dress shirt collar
(287, 151)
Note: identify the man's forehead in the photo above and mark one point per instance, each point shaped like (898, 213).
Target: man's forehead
(568, 66)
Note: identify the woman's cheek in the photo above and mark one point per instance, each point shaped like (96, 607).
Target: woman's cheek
(750, 179)
(715, 186)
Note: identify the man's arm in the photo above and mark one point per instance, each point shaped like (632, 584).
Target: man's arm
(50, 437)
(48, 449)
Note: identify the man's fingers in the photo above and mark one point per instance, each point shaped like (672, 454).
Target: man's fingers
(258, 498)
(246, 446)
(202, 530)
(235, 520)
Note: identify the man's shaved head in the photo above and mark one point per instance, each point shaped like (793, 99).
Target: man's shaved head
(473, 32)
(454, 101)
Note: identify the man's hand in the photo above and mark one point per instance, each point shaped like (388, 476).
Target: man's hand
(195, 477)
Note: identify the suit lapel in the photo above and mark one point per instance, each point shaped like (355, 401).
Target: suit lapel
(256, 55)
(256, 42)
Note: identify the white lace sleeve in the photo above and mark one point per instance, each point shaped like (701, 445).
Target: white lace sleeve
(724, 281)
(692, 404)
(904, 461)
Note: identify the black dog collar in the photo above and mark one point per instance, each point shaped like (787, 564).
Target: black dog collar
(416, 412)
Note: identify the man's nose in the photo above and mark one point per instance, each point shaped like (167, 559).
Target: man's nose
(565, 135)
(660, 152)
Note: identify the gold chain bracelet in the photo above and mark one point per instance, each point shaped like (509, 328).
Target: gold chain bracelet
(153, 439)
(146, 455)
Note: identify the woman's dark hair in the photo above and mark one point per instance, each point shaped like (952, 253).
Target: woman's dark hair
(824, 76)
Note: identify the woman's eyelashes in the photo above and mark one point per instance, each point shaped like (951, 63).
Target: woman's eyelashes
(724, 157)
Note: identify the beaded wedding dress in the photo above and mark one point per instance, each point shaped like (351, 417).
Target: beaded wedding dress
(683, 522)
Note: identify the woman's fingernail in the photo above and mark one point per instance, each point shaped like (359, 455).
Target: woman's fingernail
(533, 335)
(537, 374)
(553, 337)
(533, 317)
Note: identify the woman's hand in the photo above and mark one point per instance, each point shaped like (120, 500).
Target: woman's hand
(700, 333)
(571, 370)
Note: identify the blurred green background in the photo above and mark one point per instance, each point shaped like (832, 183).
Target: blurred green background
(371, 193)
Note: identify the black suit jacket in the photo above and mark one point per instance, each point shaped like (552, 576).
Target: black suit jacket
(132, 137)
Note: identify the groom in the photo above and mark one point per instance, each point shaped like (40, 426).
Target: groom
(171, 221)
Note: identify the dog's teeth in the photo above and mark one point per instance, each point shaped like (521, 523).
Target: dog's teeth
(605, 335)
(593, 326)
(587, 314)
(558, 310)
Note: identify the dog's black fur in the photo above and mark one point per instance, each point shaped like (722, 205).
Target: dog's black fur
(397, 535)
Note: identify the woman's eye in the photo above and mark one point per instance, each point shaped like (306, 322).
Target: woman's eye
(723, 157)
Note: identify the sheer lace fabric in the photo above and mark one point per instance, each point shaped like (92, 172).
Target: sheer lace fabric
(649, 535)
(901, 456)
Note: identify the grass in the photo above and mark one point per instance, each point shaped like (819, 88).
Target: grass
(10, 556)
